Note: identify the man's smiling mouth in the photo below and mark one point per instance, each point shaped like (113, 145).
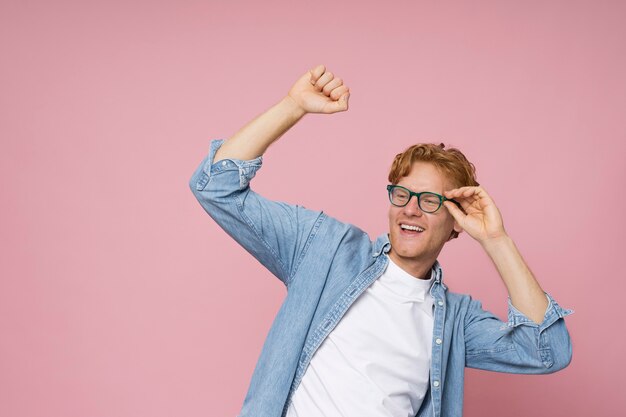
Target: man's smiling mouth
(411, 228)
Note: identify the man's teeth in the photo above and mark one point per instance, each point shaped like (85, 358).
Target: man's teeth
(415, 228)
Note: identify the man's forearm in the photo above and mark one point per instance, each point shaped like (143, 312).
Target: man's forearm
(253, 139)
(524, 290)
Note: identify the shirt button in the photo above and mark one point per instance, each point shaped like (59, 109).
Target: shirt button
(224, 162)
(438, 341)
(440, 302)
(436, 384)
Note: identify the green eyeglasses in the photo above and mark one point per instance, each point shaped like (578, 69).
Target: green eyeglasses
(428, 202)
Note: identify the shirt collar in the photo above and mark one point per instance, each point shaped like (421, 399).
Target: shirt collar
(382, 245)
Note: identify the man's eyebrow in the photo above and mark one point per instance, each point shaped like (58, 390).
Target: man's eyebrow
(425, 191)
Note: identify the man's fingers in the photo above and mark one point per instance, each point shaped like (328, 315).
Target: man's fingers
(332, 85)
(325, 82)
(338, 92)
(454, 211)
(316, 73)
(474, 192)
(471, 198)
(324, 79)
(466, 191)
(341, 104)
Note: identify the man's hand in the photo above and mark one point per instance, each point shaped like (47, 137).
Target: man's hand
(319, 91)
(483, 221)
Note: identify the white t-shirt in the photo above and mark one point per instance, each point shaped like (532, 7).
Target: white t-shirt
(376, 361)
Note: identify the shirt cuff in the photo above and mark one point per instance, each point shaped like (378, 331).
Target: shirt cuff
(552, 314)
(247, 168)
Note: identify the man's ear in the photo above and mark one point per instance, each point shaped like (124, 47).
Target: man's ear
(456, 230)
(457, 227)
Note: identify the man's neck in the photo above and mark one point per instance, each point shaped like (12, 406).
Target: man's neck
(417, 269)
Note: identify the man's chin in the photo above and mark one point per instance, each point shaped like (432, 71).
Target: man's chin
(405, 253)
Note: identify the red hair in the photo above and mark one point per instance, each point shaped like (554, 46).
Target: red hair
(451, 162)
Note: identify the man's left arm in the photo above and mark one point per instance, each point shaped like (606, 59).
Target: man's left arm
(483, 222)
(528, 303)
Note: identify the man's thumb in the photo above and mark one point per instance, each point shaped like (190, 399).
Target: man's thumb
(343, 101)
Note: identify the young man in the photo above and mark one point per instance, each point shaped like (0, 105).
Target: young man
(369, 328)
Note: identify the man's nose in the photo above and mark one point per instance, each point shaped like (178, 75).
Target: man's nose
(412, 207)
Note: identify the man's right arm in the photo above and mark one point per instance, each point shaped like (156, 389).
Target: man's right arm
(275, 233)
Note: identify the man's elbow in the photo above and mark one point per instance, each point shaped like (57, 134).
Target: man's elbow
(560, 347)
(562, 358)
(194, 184)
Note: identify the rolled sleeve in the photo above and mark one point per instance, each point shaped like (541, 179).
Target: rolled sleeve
(519, 345)
(553, 312)
(246, 168)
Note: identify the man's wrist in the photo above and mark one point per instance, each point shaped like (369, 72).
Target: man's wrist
(496, 244)
(292, 108)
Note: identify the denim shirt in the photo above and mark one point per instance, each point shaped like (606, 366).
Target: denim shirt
(326, 265)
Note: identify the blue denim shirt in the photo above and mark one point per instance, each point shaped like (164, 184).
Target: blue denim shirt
(326, 265)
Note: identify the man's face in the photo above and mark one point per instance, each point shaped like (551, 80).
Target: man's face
(418, 250)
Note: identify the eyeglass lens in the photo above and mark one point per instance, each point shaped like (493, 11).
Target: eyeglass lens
(428, 202)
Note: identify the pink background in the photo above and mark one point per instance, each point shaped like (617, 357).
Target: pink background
(120, 297)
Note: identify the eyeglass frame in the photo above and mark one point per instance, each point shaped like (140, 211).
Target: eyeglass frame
(442, 198)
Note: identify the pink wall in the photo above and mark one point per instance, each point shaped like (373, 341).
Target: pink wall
(120, 297)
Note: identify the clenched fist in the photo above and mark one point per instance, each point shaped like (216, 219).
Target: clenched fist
(319, 91)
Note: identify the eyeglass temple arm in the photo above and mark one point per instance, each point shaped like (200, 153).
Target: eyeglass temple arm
(454, 201)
